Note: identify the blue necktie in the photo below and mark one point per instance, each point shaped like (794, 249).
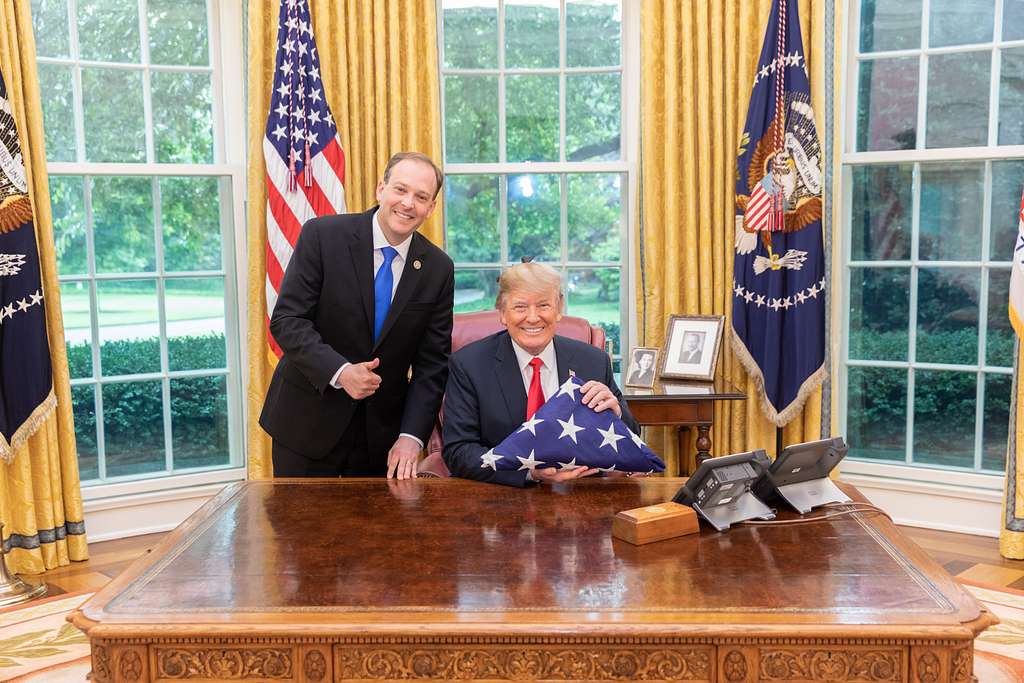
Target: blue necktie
(383, 283)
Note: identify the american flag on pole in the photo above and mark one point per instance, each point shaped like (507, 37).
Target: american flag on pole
(778, 309)
(304, 159)
(26, 381)
(1017, 277)
(564, 433)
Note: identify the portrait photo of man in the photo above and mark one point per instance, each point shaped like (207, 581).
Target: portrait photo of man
(642, 368)
(693, 348)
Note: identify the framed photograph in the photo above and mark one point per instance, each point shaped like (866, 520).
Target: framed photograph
(643, 367)
(691, 346)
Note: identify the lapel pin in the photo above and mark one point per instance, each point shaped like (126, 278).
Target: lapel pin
(572, 373)
(416, 264)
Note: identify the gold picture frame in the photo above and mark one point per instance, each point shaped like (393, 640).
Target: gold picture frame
(643, 367)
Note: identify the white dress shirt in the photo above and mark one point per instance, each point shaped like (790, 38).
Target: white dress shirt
(548, 371)
(397, 268)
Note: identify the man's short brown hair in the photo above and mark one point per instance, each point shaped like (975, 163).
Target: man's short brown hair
(414, 156)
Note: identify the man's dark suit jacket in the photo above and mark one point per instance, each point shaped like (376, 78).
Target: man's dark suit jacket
(486, 401)
(324, 318)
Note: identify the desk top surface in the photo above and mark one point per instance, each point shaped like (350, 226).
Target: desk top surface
(368, 552)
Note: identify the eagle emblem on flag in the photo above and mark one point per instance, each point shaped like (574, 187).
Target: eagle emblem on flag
(26, 380)
(779, 267)
(564, 433)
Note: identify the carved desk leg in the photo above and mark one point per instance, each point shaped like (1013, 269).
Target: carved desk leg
(703, 443)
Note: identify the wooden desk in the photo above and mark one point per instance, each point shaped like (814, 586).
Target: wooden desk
(682, 404)
(430, 579)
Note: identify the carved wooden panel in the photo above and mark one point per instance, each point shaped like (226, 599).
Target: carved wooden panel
(737, 664)
(228, 663)
(832, 664)
(962, 665)
(525, 663)
(316, 663)
(929, 665)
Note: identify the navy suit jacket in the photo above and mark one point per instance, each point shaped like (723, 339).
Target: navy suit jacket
(485, 400)
(324, 318)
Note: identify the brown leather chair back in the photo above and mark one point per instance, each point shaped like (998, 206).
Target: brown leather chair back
(470, 327)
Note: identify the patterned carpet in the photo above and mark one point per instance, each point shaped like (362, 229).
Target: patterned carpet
(37, 644)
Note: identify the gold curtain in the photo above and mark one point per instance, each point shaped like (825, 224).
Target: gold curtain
(1011, 532)
(40, 497)
(698, 61)
(378, 60)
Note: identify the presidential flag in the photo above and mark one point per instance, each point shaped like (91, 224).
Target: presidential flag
(778, 289)
(565, 434)
(26, 382)
(304, 159)
(1017, 277)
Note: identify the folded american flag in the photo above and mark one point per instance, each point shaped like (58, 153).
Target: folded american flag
(564, 433)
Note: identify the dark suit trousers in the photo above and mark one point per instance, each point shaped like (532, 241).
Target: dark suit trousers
(350, 457)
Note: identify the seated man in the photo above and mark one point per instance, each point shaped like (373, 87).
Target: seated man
(498, 382)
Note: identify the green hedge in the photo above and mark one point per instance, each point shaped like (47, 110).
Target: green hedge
(133, 411)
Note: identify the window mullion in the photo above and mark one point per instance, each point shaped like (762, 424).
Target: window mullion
(161, 307)
(76, 82)
(922, 86)
(912, 313)
(147, 90)
(94, 328)
(502, 156)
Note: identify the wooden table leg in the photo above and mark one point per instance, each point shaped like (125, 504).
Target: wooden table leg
(703, 443)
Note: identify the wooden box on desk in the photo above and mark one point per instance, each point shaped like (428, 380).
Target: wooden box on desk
(654, 523)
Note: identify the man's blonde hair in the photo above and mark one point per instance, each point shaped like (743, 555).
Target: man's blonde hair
(532, 277)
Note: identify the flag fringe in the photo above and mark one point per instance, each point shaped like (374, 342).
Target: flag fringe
(15, 211)
(29, 427)
(779, 419)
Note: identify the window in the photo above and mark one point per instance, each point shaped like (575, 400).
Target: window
(144, 212)
(535, 159)
(933, 170)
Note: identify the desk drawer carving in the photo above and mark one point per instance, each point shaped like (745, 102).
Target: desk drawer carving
(203, 663)
(517, 663)
(832, 665)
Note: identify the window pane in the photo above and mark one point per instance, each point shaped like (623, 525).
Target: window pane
(199, 422)
(944, 413)
(876, 423)
(534, 217)
(595, 217)
(177, 32)
(67, 199)
(471, 214)
(879, 313)
(1000, 337)
(122, 210)
(1011, 98)
(83, 405)
(958, 88)
(75, 307)
(133, 427)
(475, 290)
(881, 219)
(997, 422)
(947, 315)
(129, 329)
(190, 216)
(50, 27)
(195, 323)
(471, 35)
(531, 118)
(108, 31)
(958, 22)
(593, 30)
(1007, 187)
(114, 126)
(593, 294)
(1013, 19)
(531, 33)
(890, 25)
(182, 118)
(951, 209)
(887, 104)
(57, 99)
(593, 117)
(471, 119)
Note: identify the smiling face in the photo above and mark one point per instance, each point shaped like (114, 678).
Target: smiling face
(406, 198)
(531, 317)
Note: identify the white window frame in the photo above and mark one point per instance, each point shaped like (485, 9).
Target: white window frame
(627, 166)
(227, 70)
(920, 473)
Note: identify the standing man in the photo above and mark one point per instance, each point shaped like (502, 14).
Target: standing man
(364, 299)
